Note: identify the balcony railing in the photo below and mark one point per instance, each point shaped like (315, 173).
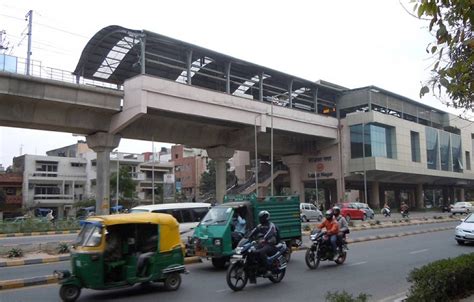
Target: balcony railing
(52, 196)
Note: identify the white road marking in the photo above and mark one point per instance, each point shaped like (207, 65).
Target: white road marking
(221, 290)
(395, 298)
(358, 263)
(419, 251)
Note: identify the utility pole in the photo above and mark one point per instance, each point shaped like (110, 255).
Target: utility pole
(29, 18)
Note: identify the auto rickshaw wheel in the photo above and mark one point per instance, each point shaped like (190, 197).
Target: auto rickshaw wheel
(69, 292)
(219, 262)
(173, 281)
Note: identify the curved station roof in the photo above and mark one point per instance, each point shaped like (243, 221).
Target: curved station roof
(115, 54)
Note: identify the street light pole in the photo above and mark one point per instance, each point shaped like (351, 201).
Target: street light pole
(363, 162)
(271, 146)
(118, 178)
(316, 185)
(256, 156)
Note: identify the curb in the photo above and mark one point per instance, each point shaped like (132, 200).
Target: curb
(38, 233)
(17, 283)
(187, 260)
(34, 261)
(49, 279)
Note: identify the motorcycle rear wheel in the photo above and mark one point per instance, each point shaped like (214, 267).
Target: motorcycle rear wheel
(312, 261)
(236, 277)
(276, 278)
(341, 259)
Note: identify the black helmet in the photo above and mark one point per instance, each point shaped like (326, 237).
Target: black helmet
(336, 210)
(328, 214)
(263, 217)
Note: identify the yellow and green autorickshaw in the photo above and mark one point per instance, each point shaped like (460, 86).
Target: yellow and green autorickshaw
(121, 250)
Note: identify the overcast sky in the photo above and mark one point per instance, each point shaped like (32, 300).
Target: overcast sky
(350, 43)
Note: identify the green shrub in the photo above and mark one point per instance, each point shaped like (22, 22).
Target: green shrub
(306, 228)
(351, 223)
(377, 222)
(406, 220)
(63, 248)
(373, 222)
(346, 297)
(442, 280)
(15, 253)
(394, 221)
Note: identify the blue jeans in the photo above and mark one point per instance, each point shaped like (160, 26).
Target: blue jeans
(333, 240)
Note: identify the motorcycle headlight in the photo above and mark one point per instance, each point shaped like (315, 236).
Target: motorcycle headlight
(217, 242)
(238, 250)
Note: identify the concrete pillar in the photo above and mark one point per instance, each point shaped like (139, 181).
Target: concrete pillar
(294, 163)
(375, 195)
(461, 195)
(103, 143)
(220, 155)
(420, 204)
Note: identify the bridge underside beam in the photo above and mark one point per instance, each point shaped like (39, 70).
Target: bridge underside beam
(54, 116)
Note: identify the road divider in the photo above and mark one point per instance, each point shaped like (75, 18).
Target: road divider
(38, 233)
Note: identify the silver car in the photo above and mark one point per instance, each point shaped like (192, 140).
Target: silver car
(309, 212)
(465, 231)
(462, 207)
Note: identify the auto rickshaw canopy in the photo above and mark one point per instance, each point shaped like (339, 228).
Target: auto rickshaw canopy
(169, 236)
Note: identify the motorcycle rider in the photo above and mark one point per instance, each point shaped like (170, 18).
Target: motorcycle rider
(266, 234)
(343, 225)
(386, 209)
(332, 229)
(404, 209)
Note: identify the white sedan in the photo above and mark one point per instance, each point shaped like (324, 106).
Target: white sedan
(462, 207)
(465, 231)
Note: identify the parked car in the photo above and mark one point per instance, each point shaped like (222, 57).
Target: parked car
(465, 231)
(462, 207)
(350, 211)
(369, 213)
(309, 212)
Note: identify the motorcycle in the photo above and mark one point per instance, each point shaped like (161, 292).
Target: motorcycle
(245, 265)
(321, 250)
(386, 212)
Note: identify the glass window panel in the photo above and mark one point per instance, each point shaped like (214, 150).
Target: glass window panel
(456, 153)
(431, 148)
(444, 150)
(415, 146)
(356, 141)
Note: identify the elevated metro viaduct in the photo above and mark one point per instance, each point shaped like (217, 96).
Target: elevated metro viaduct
(172, 91)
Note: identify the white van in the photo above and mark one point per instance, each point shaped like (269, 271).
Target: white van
(188, 214)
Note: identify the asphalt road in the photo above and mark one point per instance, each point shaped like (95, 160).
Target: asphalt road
(376, 267)
(26, 271)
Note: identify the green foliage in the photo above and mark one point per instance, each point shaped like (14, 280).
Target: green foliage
(351, 224)
(346, 297)
(377, 222)
(442, 280)
(63, 248)
(15, 253)
(126, 184)
(453, 56)
(306, 228)
(208, 178)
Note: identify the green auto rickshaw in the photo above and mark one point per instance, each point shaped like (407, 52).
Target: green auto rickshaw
(213, 237)
(121, 250)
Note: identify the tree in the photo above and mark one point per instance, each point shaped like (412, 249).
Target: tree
(126, 183)
(453, 69)
(208, 178)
